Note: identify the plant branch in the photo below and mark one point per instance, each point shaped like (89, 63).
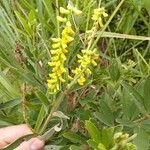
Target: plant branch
(142, 119)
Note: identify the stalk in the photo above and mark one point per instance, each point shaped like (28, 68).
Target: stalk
(59, 101)
(54, 109)
(57, 13)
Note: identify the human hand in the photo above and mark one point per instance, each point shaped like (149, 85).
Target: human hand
(10, 134)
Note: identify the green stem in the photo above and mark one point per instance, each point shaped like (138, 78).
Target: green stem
(54, 108)
(59, 101)
(58, 24)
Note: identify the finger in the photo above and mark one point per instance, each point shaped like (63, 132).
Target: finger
(33, 144)
(10, 134)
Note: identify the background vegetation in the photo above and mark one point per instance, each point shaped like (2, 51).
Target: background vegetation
(117, 96)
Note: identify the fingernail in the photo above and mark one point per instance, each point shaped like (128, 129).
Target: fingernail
(36, 145)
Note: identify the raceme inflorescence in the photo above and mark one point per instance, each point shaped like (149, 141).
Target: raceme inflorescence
(60, 47)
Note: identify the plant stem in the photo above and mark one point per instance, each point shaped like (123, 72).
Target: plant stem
(142, 119)
(54, 108)
(56, 105)
(24, 106)
(59, 101)
(57, 13)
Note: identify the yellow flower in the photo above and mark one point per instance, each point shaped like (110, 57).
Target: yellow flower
(74, 9)
(81, 80)
(52, 81)
(68, 24)
(76, 71)
(59, 51)
(53, 75)
(94, 63)
(51, 63)
(64, 11)
(98, 14)
(56, 45)
(61, 79)
(56, 39)
(85, 60)
(70, 7)
(67, 39)
(70, 78)
(68, 31)
(61, 19)
(88, 71)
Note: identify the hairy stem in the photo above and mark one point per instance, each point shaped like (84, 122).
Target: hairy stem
(54, 109)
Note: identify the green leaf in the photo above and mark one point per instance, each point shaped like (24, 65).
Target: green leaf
(23, 22)
(40, 118)
(142, 139)
(94, 132)
(128, 105)
(5, 123)
(107, 137)
(130, 14)
(101, 146)
(147, 5)
(52, 147)
(73, 147)
(31, 17)
(8, 86)
(26, 4)
(41, 96)
(60, 115)
(138, 99)
(105, 114)
(114, 71)
(73, 137)
(125, 122)
(50, 10)
(92, 143)
(147, 94)
(10, 104)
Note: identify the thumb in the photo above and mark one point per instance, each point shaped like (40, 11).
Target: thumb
(10, 134)
(32, 144)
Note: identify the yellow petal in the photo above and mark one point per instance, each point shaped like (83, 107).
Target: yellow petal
(55, 39)
(61, 79)
(81, 80)
(51, 63)
(70, 78)
(64, 11)
(79, 56)
(88, 71)
(70, 7)
(55, 58)
(94, 63)
(68, 24)
(53, 75)
(57, 51)
(61, 19)
(57, 45)
(77, 11)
